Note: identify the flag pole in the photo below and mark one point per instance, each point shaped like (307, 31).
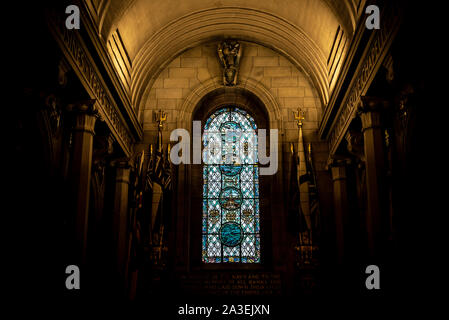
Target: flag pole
(303, 181)
(303, 178)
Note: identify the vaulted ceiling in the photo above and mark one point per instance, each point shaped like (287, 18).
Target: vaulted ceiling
(143, 36)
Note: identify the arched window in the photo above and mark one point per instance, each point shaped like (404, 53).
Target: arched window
(230, 228)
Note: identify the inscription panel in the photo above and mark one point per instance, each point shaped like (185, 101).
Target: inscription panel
(232, 283)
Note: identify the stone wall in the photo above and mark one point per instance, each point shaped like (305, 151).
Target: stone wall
(290, 87)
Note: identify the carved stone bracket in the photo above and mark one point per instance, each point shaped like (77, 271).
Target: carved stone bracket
(355, 144)
(229, 53)
(103, 148)
(54, 112)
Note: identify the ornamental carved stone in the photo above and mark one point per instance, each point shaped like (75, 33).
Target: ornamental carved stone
(229, 53)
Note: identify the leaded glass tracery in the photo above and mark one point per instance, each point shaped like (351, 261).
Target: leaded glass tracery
(231, 217)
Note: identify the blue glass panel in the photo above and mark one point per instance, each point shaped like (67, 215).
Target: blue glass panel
(230, 198)
(231, 251)
(231, 216)
(214, 246)
(204, 222)
(214, 221)
(230, 170)
(230, 181)
(214, 173)
(257, 246)
(231, 234)
(204, 252)
(230, 126)
(205, 189)
(214, 189)
(248, 246)
(247, 189)
(230, 192)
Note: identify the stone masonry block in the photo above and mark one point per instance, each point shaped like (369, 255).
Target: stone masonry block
(168, 93)
(265, 52)
(277, 71)
(284, 82)
(193, 53)
(291, 92)
(182, 72)
(166, 104)
(266, 61)
(176, 83)
(193, 62)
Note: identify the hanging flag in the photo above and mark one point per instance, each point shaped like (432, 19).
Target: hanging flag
(159, 177)
(162, 199)
(167, 170)
(295, 217)
(157, 192)
(158, 167)
(313, 195)
(135, 244)
(304, 179)
(149, 173)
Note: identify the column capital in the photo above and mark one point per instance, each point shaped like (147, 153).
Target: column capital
(123, 170)
(83, 106)
(121, 163)
(337, 165)
(370, 112)
(372, 104)
(338, 161)
(86, 114)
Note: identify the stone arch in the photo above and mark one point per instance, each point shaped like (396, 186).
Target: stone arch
(202, 101)
(256, 88)
(212, 24)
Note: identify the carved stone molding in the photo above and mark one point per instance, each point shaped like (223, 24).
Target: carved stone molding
(82, 63)
(355, 144)
(373, 57)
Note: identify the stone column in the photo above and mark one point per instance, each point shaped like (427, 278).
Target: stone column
(370, 114)
(81, 170)
(338, 169)
(120, 216)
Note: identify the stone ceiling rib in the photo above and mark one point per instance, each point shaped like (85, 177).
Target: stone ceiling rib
(156, 31)
(248, 25)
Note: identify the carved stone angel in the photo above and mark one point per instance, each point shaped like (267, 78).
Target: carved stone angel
(229, 53)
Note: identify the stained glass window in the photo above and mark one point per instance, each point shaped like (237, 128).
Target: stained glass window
(230, 229)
